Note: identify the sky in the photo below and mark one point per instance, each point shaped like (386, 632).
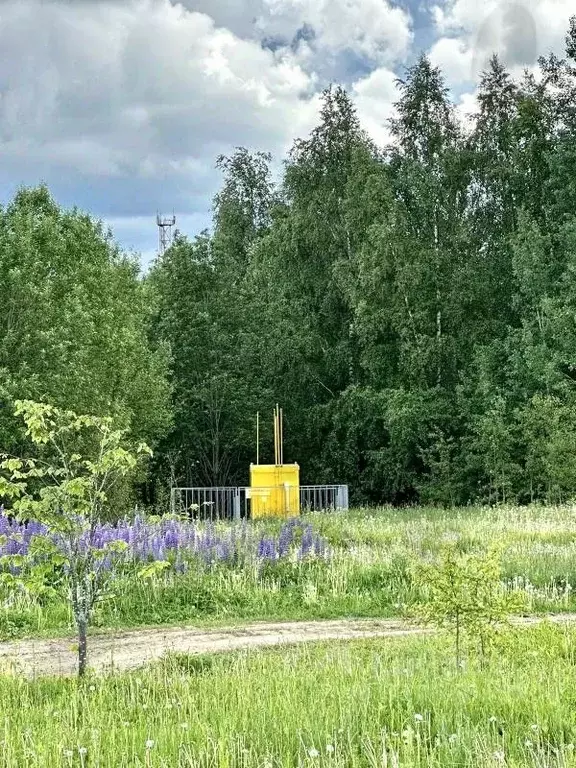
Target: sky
(123, 106)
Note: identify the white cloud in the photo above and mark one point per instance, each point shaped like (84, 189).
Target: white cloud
(123, 105)
(374, 97)
(131, 88)
(517, 30)
(466, 108)
(454, 58)
(239, 16)
(375, 29)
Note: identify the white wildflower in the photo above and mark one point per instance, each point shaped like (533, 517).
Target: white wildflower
(149, 744)
(418, 717)
(329, 748)
(313, 753)
(407, 735)
(499, 755)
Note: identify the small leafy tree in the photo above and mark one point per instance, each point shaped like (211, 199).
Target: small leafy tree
(66, 491)
(464, 593)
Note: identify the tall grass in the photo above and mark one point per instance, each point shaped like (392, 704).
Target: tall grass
(376, 703)
(367, 574)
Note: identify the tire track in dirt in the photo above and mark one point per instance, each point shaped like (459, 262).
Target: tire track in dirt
(136, 648)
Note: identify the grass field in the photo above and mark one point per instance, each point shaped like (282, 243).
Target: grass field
(397, 703)
(369, 703)
(366, 573)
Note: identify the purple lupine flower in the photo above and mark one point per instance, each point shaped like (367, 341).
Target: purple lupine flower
(267, 549)
(285, 539)
(307, 541)
(182, 541)
(171, 539)
(319, 546)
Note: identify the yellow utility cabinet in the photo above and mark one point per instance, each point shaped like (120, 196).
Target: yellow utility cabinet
(274, 488)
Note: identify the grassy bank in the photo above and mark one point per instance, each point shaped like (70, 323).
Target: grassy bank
(369, 703)
(368, 573)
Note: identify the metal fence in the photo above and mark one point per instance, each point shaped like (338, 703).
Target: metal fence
(207, 503)
(323, 497)
(232, 503)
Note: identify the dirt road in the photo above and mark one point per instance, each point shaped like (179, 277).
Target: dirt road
(133, 649)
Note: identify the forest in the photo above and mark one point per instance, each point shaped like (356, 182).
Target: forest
(412, 307)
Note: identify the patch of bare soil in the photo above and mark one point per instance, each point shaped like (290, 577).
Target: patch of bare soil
(133, 649)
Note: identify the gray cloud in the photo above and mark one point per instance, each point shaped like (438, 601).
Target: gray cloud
(510, 30)
(121, 106)
(517, 30)
(126, 105)
(240, 17)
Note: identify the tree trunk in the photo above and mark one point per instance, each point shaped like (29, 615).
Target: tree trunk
(82, 647)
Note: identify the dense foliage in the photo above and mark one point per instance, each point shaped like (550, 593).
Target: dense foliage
(411, 307)
(59, 507)
(74, 323)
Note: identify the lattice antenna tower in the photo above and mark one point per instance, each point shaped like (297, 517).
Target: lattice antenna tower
(165, 226)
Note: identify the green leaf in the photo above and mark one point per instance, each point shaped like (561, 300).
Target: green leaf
(153, 569)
